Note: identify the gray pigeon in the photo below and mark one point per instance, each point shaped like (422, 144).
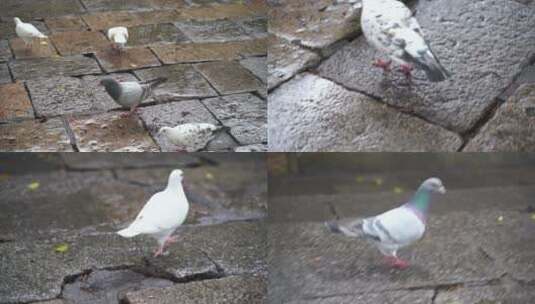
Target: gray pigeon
(130, 94)
(396, 228)
(391, 28)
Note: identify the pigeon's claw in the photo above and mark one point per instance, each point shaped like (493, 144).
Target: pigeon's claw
(396, 262)
(170, 240)
(385, 65)
(406, 69)
(158, 251)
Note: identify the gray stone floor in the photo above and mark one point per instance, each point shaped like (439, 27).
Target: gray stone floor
(326, 96)
(80, 200)
(212, 52)
(479, 246)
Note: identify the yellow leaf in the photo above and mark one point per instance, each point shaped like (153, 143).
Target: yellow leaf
(360, 179)
(209, 175)
(61, 248)
(33, 185)
(378, 181)
(398, 190)
(533, 216)
(500, 219)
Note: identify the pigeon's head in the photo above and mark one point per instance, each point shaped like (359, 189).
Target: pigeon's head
(434, 184)
(107, 82)
(17, 20)
(164, 131)
(176, 176)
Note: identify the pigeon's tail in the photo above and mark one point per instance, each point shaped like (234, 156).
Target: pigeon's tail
(433, 69)
(352, 230)
(127, 232)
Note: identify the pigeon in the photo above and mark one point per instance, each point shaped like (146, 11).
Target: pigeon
(162, 214)
(27, 32)
(130, 94)
(391, 28)
(396, 228)
(191, 137)
(119, 36)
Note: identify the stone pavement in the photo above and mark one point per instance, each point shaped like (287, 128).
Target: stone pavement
(212, 52)
(60, 213)
(326, 96)
(479, 246)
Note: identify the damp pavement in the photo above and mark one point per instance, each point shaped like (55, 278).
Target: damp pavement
(212, 52)
(479, 246)
(326, 96)
(60, 213)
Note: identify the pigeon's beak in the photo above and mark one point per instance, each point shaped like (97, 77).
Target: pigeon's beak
(442, 190)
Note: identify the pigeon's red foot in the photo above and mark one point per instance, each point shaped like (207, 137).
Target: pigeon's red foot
(170, 240)
(385, 65)
(406, 69)
(396, 262)
(158, 252)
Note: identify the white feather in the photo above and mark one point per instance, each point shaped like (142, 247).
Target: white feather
(131, 94)
(191, 136)
(27, 31)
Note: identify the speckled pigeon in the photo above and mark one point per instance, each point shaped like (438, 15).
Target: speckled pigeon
(130, 94)
(26, 31)
(191, 137)
(391, 28)
(162, 214)
(118, 36)
(396, 228)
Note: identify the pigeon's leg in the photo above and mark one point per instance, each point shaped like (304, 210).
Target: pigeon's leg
(396, 262)
(385, 65)
(129, 113)
(170, 240)
(406, 69)
(159, 251)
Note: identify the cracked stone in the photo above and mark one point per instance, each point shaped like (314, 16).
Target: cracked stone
(257, 28)
(129, 160)
(257, 66)
(114, 5)
(398, 297)
(310, 113)
(63, 95)
(33, 136)
(236, 290)
(172, 114)
(245, 114)
(5, 77)
(484, 46)
(30, 9)
(106, 20)
(155, 33)
(486, 295)
(504, 132)
(14, 102)
(286, 60)
(72, 43)
(198, 52)
(52, 67)
(109, 132)
(128, 59)
(183, 81)
(212, 31)
(5, 51)
(39, 48)
(229, 77)
(315, 26)
(216, 11)
(66, 23)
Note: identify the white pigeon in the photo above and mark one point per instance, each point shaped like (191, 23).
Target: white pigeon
(191, 137)
(396, 228)
(26, 31)
(162, 214)
(391, 28)
(118, 36)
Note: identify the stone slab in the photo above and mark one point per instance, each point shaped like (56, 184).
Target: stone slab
(229, 77)
(245, 114)
(128, 59)
(183, 81)
(66, 23)
(109, 132)
(39, 48)
(54, 66)
(257, 66)
(5, 51)
(218, 11)
(511, 129)
(65, 95)
(169, 4)
(198, 52)
(458, 37)
(235, 289)
(257, 28)
(310, 113)
(129, 160)
(79, 42)
(154, 34)
(34, 136)
(5, 76)
(14, 102)
(114, 5)
(105, 20)
(486, 294)
(401, 297)
(286, 60)
(212, 31)
(30, 9)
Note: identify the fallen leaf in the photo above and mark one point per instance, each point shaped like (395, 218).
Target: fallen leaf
(33, 186)
(398, 190)
(500, 219)
(533, 216)
(209, 175)
(61, 248)
(378, 181)
(360, 179)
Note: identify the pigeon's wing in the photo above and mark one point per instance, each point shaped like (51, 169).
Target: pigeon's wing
(154, 217)
(28, 30)
(131, 93)
(398, 226)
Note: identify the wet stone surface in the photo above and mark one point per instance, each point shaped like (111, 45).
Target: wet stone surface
(257, 66)
(245, 114)
(33, 136)
(39, 48)
(50, 67)
(38, 9)
(128, 160)
(255, 28)
(14, 102)
(5, 77)
(229, 77)
(78, 42)
(107, 5)
(155, 33)
(5, 51)
(110, 132)
(218, 11)
(213, 31)
(129, 59)
(65, 23)
(183, 81)
(310, 113)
